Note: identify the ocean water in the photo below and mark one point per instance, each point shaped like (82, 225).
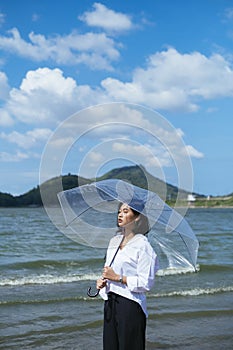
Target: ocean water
(44, 277)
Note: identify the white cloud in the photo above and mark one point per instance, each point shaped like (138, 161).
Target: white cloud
(170, 81)
(8, 157)
(30, 139)
(4, 87)
(142, 152)
(193, 152)
(2, 18)
(95, 157)
(175, 81)
(106, 19)
(150, 155)
(63, 142)
(46, 96)
(5, 118)
(212, 109)
(107, 122)
(154, 159)
(95, 50)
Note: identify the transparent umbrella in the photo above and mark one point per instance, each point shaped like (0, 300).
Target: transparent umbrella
(170, 234)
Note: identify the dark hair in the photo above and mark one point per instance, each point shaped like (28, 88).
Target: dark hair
(141, 225)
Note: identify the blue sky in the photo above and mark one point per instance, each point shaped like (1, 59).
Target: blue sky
(173, 57)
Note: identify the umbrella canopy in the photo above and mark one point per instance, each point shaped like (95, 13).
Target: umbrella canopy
(171, 236)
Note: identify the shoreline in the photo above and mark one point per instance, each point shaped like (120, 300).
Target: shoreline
(211, 207)
(172, 206)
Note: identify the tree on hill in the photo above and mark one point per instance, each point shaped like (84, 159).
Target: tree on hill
(7, 200)
(137, 175)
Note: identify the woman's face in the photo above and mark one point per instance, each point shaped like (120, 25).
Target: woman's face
(125, 216)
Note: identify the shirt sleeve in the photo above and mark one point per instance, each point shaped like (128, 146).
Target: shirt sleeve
(146, 269)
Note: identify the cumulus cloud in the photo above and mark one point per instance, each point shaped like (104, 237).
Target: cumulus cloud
(96, 50)
(17, 157)
(193, 152)
(95, 158)
(4, 87)
(46, 96)
(154, 156)
(106, 19)
(126, 132)
(5, 118)
(148, 155)
(170, 81)
(175, 81)
(28, 140)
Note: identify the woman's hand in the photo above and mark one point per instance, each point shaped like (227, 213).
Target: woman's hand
(101, 283)
(109, 274)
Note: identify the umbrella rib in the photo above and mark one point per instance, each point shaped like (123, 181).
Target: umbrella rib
(80, 214)
(75, 218)
(188, 251)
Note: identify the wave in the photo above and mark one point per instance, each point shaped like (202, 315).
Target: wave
(191, 292)
(56, 278)
(203, 268)
(53, 278)
(43, 279)
(177, 271)
(46, 279)
(194, 292)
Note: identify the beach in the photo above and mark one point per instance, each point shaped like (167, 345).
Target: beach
(45, 276)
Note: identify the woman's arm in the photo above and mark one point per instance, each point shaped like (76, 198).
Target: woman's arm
(111, 275)
(147, 266)
(144, 276)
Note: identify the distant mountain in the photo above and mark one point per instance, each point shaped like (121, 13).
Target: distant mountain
(137, 175)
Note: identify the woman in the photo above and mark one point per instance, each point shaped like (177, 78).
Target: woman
(123, 285)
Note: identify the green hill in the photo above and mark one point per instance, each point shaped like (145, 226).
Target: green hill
(33, 197)
(136, 175)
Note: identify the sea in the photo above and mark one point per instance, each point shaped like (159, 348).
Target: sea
(44, 277)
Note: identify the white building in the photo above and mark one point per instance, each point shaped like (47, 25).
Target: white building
(191, 198)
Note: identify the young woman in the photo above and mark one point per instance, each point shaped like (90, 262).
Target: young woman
(124, 284)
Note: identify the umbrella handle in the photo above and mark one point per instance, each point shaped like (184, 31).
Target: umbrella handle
(98, 290)
(92, 295)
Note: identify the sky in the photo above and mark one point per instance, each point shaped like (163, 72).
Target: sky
(159, 65)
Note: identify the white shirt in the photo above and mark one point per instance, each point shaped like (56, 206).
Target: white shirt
(138, 262)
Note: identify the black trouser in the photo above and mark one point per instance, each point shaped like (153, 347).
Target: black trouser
(124, 324)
